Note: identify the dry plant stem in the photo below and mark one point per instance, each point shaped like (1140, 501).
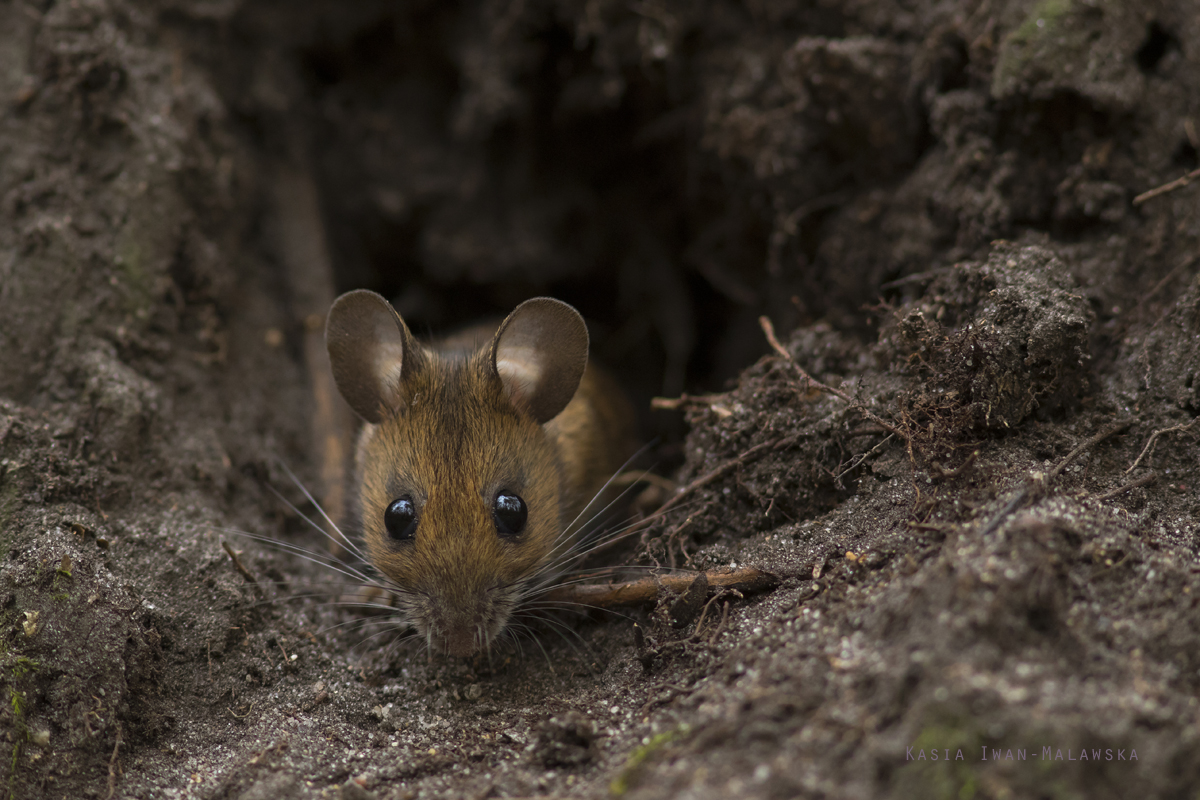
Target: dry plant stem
(1115, 428)
(1178, 183)
(720, 625)
(943, 474)
(646, 590)
(1036, 485)
(861, 457)
(676, 403)
(1154, 437)
(1166, 279)
(237, 563)
(112, 766)
(769, 331)
(1142, 481)
(704, 615)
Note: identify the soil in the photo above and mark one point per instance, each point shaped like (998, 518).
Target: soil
(970, 462)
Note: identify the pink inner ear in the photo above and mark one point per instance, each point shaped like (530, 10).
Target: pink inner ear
(389, 360)
(520, 376)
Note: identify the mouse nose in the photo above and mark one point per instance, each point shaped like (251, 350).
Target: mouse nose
(459, 632)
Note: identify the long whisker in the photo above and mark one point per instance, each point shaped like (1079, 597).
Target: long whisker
(570, 547)
(551, 570)
(514, 630)
(384, 632)
(562, 629)
(340, 538)
(324, 559)
(584, 577)
(573, 606)
(570, 530)
(327, 602)
(619, 471)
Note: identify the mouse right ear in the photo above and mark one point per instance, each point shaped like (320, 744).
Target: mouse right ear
(539, 354)
(370, 350)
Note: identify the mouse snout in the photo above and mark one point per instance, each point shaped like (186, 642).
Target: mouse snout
(458, 640)
(466, 625)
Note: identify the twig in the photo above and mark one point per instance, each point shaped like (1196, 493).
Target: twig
(646, 590)
(1178, 183)
(676, 403)
(933, 527)
(1110, 567)
(861, 457)
(1142, 481)
(720, 625)
(112, 766)
(959, 470)
(1154, 437)
(237, 562)
(1115, 428)
(1170, 276)
(769, 331)
(1037, 484)
(234, 714)
(1012, 505)
(675, 689)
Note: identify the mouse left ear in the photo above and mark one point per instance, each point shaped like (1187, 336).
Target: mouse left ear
(370, 351)
(540, 353)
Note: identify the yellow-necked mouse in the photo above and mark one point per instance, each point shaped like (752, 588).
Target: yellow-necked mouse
(478, 459)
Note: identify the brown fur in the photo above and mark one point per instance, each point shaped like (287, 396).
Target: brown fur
(459, 437)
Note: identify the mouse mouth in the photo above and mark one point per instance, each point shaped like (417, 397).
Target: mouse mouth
(460, 642)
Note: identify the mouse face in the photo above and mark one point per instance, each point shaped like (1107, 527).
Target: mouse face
(459, 486)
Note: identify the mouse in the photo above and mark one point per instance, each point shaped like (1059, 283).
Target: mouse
(482, 462)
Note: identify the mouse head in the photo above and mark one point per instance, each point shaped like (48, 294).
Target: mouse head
(460, 486)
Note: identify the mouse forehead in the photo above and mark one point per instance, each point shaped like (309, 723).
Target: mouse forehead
(457, 429)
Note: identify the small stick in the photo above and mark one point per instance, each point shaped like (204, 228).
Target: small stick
(112, 766)
(769, 330)
(720, 625)
(704, 614)
(1170, 276)
(1036, 484)
(646, 590)
(676, 403)
(959, 470)
(1142, 481)
(933, 527)
(861, 457)
(1154, 437)
(237, 562)
(1116, 427)
(1178, 183)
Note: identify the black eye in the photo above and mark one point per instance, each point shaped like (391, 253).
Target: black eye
(400, 519)
(510, 514)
